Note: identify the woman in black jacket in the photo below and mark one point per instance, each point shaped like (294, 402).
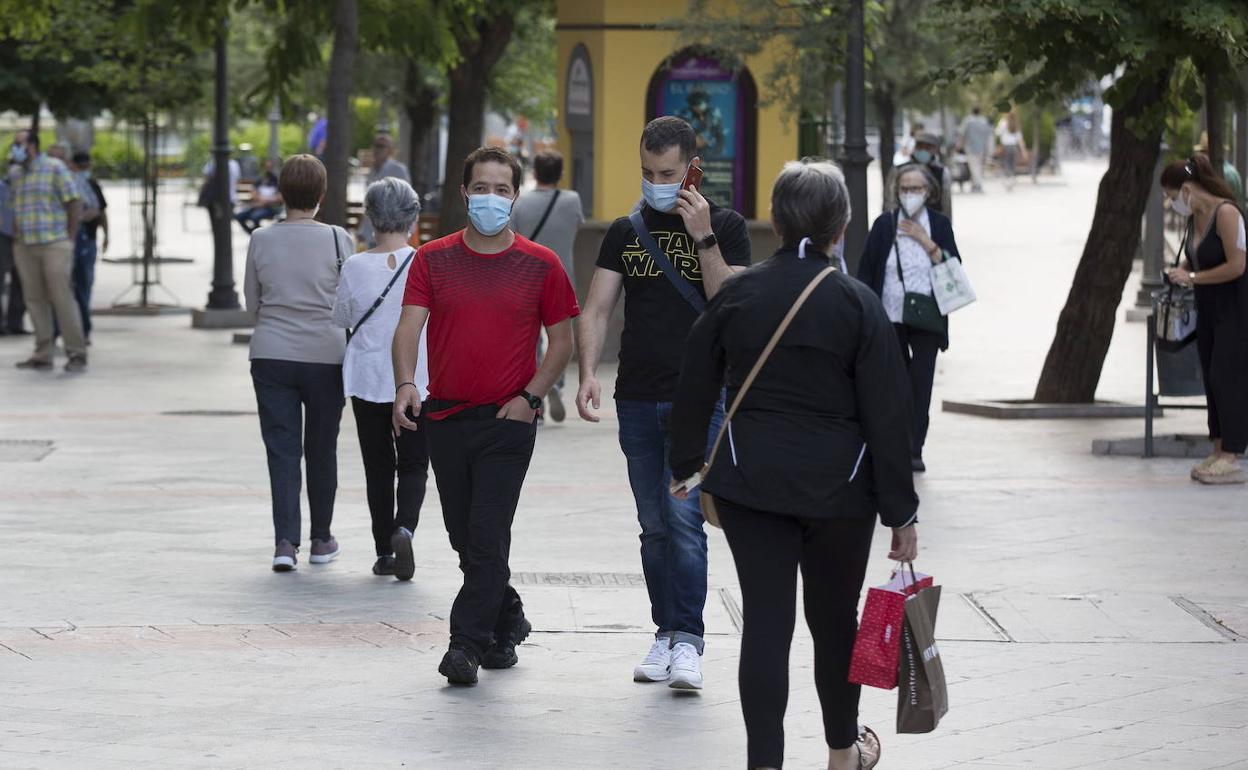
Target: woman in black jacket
(819, 445)
(898, 257)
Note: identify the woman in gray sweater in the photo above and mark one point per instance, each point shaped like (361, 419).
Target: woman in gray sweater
(296, 358)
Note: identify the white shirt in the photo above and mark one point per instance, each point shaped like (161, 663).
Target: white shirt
(1008, 138)
(916, 267)
(367, 371)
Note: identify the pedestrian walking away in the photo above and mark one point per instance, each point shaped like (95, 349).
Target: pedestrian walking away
(550, 216)
(369, 300)
(1013, 146)
(486, 293)
(290, 283)
(665, 288)
(47, 209)
(975, 139)
(817, 441)
(1215, 266)
(896, 263)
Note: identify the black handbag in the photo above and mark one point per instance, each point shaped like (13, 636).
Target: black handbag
(918, 311)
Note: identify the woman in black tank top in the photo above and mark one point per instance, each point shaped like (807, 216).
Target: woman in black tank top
(1215, 266)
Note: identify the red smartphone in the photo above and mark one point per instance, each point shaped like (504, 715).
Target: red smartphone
(693, 178)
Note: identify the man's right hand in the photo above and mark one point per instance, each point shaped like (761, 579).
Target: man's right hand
(589, 394)
(408, 397)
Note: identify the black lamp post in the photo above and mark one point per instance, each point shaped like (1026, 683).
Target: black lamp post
(854, 156)
(223, 295)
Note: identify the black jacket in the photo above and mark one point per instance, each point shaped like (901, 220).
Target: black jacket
(879, 245)
(824, 432)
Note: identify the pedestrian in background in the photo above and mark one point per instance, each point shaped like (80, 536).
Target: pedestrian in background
(1229, 172)
(1215, 265)
(818, 444)
(975, 139)
(1013, 146)
(11, 300)
(927, 153)
(47, 209)
(384, 166)
(266, 201)
(86, 245)
(369, 300)
(296, 358)
(904, 243)
(551, 217)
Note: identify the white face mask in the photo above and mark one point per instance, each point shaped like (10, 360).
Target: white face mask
(912, 202)
(1179, 206)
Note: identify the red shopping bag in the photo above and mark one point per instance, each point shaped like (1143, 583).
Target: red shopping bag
(877, 648)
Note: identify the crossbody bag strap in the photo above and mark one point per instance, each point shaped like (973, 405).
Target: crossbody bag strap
(678, 281)
(897, 251)
(377, 303)
(762, 359)
(545, 215)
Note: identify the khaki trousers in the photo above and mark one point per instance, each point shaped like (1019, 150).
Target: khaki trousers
(47, 273)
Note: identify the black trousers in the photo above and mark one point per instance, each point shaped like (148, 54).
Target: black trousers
(832, 554)
(15, 304)
(300, 407)
(919, 349)
(1224, 366)
(480, 463)
(386, 457)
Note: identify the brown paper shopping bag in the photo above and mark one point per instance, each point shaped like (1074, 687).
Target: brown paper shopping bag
(921, 698)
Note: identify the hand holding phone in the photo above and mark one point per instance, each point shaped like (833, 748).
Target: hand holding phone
(693, 176)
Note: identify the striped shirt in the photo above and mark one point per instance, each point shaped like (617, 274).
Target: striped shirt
(39, 197)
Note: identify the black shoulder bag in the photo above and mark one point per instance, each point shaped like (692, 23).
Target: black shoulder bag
(918, 311)
(542, 222)
(382, 298)
(682, 286)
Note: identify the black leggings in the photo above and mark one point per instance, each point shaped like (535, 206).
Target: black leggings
(1224, 365)
(385, 457)
(832, 553)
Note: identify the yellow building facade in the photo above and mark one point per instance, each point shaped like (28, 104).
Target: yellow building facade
(617, 69)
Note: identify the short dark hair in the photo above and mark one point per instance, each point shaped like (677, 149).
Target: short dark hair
(669, 131)
(302, 183)
(548, 166)
(82, 158)
(492, 155)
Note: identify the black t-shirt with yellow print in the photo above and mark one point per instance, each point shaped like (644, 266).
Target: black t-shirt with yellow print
(656, 318)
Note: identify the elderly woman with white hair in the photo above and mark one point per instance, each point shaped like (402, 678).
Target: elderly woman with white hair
(369, 301)
(817, 443)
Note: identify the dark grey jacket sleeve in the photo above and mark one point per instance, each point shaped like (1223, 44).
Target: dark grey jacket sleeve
(883, 396)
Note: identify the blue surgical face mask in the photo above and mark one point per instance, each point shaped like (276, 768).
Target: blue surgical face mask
(18, 153)
(489, 213)
(922, 156)
(660, 197)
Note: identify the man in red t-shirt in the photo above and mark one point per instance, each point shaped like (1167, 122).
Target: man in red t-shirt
(486, 292)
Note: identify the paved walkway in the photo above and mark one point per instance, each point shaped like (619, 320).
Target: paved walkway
(1095, 613)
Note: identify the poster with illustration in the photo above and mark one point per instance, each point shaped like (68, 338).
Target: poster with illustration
(705, 94)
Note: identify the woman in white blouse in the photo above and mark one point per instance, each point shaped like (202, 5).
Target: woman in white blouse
(897, 261)
(369, 301)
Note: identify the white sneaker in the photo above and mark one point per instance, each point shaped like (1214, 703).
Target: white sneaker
(657, 667)
(686, 667)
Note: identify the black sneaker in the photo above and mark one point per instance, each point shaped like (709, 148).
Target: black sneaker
(404, 560)
(459, 666)
(502, 653)
(384, 565)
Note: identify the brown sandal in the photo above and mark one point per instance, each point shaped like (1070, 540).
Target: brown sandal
(861, 743)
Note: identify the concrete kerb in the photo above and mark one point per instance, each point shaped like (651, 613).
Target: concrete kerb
(1026, 409)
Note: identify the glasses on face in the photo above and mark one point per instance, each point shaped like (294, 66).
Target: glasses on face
(908, 189)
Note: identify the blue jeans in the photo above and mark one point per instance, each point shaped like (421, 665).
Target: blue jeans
(673, 541)
(85, 252)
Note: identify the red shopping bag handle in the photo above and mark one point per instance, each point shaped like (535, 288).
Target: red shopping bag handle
(914, 580)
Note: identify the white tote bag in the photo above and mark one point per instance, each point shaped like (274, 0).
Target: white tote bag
(950, 286)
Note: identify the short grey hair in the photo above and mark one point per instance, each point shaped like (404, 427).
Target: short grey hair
(893, 196)
(810, 200)
(391, 205)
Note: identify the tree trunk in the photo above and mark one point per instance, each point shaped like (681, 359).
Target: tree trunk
(1215, 121)
(886, 111)
(465, 110)
(338, 107)
(1072, 368)
(420, 104)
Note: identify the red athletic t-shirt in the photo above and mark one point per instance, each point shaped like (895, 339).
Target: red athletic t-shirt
(485, 314)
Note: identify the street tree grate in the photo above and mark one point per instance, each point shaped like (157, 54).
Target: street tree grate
(579, 579)
(208, 413)
(24, 451)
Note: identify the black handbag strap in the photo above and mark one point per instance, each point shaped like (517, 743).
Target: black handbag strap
(382, 298)
(683, 287)
(546, 215)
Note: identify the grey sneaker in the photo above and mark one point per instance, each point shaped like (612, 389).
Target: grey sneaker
(34, 363)
(404, 559)
(76, 364)
(284, 557)
(557, 410)
(324, 551)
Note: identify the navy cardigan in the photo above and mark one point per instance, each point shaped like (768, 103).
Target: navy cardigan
(879, 244)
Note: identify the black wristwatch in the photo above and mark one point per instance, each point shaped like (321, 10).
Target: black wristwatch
(535, 403)
(708, 242)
